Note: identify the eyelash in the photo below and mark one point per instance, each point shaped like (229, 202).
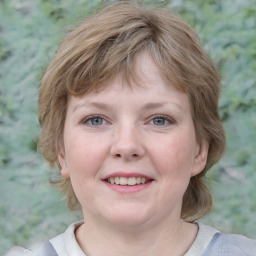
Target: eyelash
(166, 118)
(90, 118)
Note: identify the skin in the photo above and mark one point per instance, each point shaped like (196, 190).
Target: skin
(145, 129)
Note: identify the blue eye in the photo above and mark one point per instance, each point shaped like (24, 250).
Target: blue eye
(161, 121)
(95, 121)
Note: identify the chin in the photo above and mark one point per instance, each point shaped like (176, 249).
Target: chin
(128, 217)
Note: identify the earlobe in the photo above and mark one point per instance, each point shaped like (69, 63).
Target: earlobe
(200, 158)
(62, 162)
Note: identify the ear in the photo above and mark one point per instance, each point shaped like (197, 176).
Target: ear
(63, 164)
(200, 158)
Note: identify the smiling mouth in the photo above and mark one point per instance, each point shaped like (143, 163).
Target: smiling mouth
(131, 181)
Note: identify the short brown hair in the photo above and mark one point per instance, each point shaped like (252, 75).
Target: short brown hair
(106, 44)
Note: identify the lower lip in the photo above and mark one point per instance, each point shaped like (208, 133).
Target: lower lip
(128, 189)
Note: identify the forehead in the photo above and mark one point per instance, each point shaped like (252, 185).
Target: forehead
(147, 88)
(143, 72)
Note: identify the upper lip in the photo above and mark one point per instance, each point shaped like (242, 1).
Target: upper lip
(127, 175)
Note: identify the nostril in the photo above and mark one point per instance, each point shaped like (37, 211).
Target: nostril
(133, 155)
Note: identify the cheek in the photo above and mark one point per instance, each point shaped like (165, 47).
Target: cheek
(84, 159)
(173, 162)
(85, 154)
(175, 155)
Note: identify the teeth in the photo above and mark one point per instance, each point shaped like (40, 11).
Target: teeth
(127, 181)
(117, 180)
(123, 181)
(132, 181)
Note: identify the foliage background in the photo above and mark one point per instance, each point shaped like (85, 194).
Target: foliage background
(30, 31)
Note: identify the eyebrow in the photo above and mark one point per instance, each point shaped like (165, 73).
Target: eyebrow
(156, 105)
(148, 106)
(93, 104)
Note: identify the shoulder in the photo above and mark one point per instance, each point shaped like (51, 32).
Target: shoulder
(66, 243)
(41, 249)
(231, 245)
(63, 244)
(19, 251)
(212, 242)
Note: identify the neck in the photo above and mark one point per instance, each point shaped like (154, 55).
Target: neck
(168, 239)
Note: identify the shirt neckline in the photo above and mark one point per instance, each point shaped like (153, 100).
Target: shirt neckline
(204, 236)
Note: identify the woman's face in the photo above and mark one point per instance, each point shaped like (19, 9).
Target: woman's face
(142, 137)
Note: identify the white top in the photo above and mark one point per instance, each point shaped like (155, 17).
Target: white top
(203, 239)
(66, 245)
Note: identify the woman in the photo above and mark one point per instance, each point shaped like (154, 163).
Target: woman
(128, 109)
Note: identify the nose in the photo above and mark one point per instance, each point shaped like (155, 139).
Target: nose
(127, 144)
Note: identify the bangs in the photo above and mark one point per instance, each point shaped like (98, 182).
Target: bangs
(112, 59)
(96, 73)
(91, 56)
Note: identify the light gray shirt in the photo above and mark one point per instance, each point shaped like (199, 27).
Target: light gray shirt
(209, 242)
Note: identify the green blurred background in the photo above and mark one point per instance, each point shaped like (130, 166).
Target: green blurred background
(30, 31)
